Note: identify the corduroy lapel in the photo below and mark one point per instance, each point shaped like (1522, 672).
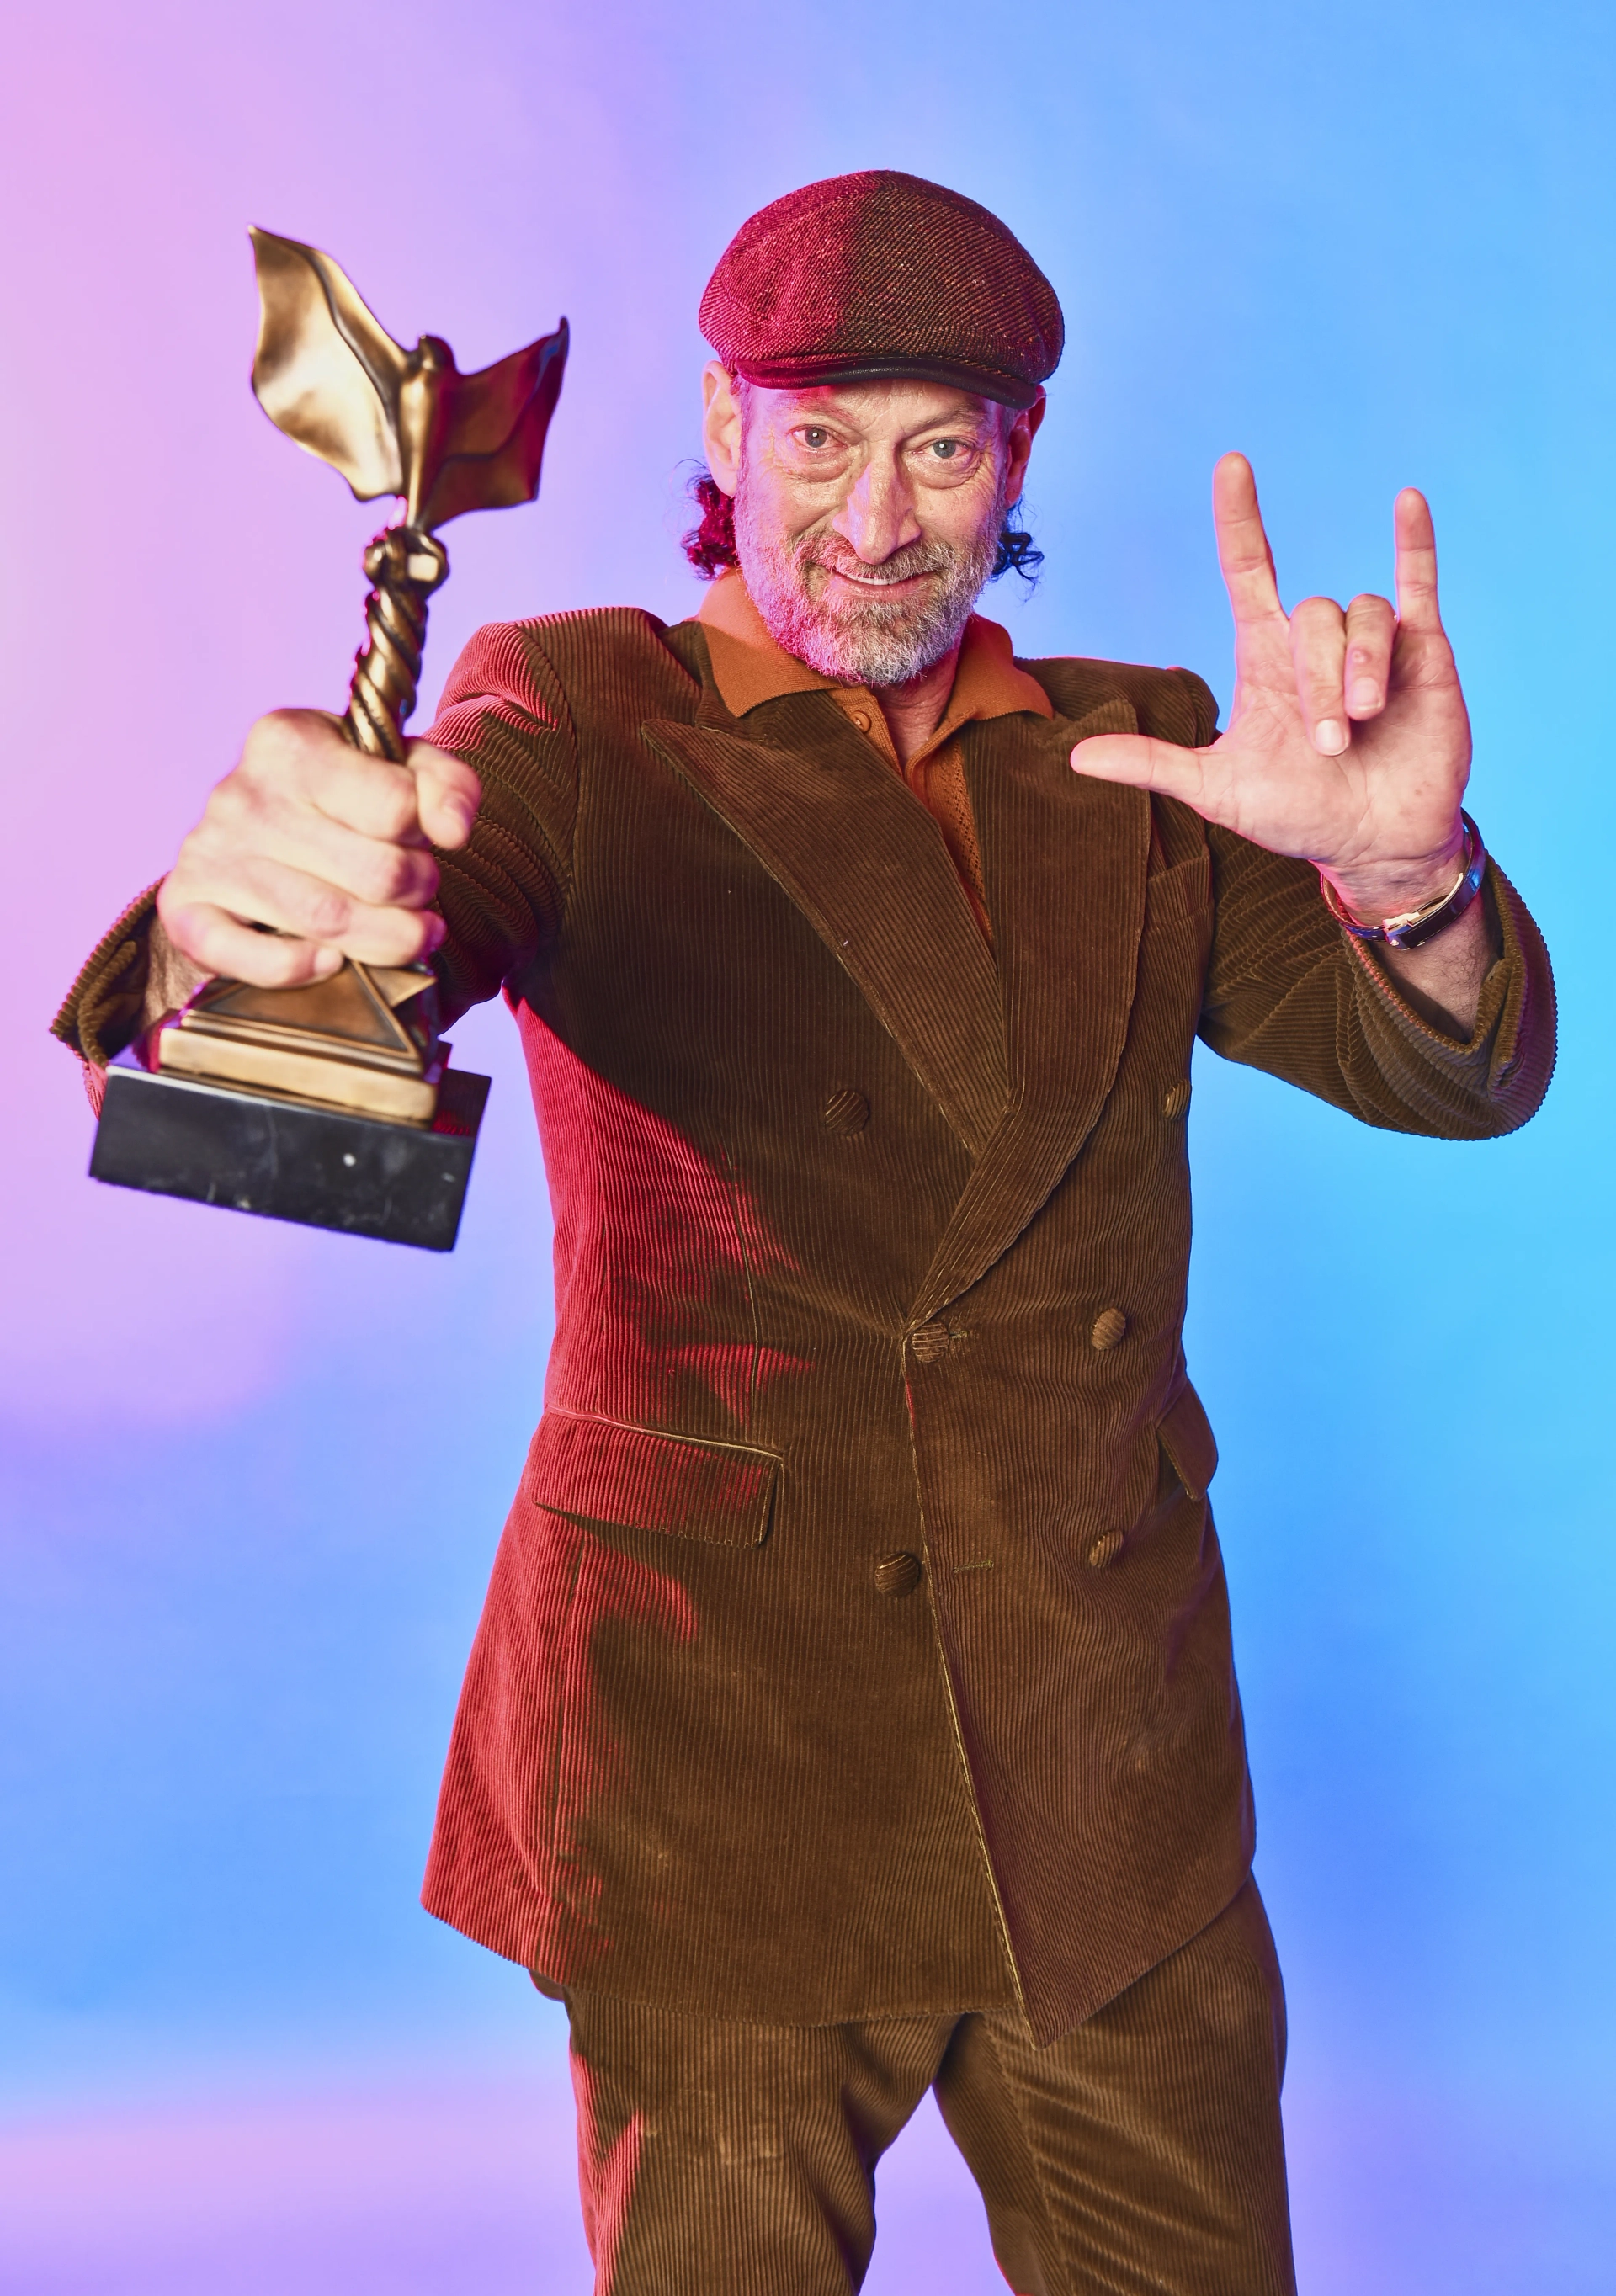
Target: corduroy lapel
(867, 867)
(1065, 862)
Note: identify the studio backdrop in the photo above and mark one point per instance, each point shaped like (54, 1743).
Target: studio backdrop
(253, 1474)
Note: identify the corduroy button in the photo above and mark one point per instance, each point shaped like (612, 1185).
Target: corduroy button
(861, 718)
(1108, 1326)
(1177, 1102)
(933, 1342)
(845, 1110)
(898, 1574)
(1105, 1548)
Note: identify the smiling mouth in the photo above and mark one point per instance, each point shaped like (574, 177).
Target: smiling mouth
(876, 585)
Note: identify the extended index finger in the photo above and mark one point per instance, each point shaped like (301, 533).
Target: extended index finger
(1243, 542)
(1416, 561)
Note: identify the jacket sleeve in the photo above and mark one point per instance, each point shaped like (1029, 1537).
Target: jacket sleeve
(501, 896)
(101, 1012)
(1288, 991)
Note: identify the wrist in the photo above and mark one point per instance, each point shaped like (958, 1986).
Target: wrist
(1392, 889)
(1420, 919)
(171, 977)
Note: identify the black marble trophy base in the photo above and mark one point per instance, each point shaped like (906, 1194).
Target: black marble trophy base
(289, 1159)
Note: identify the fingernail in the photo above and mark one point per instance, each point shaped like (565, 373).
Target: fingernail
(329, 961)
(1329, 737)
(1365, 694)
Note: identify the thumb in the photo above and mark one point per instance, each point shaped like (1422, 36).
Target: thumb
(448, 794)
(1141, 762)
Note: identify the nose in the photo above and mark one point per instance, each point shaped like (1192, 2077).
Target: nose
(877, 515)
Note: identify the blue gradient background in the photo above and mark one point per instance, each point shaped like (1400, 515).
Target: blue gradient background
(254, 1476)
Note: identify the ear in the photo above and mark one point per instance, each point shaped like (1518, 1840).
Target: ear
(1018, 443)
(721, 425)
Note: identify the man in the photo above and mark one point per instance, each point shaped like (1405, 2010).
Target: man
(853, 1711)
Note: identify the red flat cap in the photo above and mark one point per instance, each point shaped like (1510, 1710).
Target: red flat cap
(867, 277)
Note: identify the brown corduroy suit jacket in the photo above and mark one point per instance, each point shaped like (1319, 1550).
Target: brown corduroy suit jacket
(719, 1746)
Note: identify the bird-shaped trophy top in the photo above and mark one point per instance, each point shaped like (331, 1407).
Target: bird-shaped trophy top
(400, 422)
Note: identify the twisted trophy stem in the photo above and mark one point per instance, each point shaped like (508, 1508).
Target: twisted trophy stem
(404, 565)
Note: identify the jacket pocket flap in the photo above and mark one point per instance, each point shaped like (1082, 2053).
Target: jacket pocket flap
(596, 1471)
(1185, 1435)
(1182, 891)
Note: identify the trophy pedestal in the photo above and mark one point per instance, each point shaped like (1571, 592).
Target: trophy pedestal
(291, 1160)
(365, 1039)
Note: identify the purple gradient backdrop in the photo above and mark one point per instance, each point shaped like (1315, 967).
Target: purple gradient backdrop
(254, 1476)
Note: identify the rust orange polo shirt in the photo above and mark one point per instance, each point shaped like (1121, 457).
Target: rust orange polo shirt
(749, 668)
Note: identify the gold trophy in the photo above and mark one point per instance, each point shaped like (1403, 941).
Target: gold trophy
(333, 1104)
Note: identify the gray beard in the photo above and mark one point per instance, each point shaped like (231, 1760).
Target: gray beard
(862, 642)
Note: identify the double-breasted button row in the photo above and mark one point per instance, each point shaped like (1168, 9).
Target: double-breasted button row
(898, 1574)
(845, 1110)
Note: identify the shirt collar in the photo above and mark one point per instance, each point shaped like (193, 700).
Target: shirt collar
(749, 668)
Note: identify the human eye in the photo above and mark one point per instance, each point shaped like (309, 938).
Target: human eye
(816, 450)
(946, 462)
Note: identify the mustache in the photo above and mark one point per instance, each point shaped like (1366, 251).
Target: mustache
(839, 557)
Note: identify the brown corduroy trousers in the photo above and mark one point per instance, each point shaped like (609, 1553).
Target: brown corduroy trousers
(1138, 2154)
